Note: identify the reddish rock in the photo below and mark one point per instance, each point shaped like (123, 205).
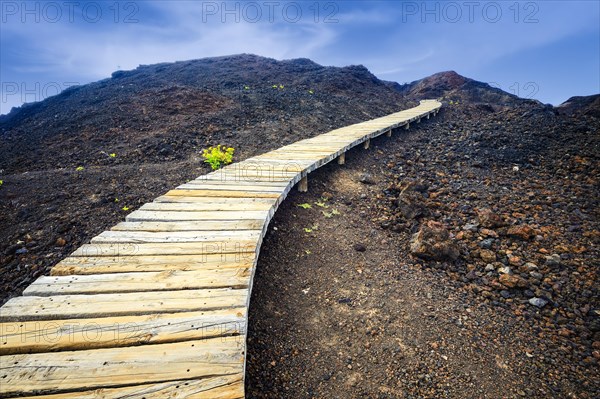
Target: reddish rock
(487, 256)
(489, 233)
(512, 281)
(487, 218)
(523, 232)
(433, 242)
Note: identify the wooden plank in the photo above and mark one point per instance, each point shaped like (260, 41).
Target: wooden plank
(139, 282)
(125, 264)
(222, 193)
(229, 179)
(112, 332)
(183, 248)
(202, 225)
(124, 304)
(99, 368)
(218, 205)
(265, 178)
(226, 387)
(174, 216)
(175, 237)
(194, 185)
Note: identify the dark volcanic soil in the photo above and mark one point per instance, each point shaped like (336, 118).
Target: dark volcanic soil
(343, 306)
(346, 311)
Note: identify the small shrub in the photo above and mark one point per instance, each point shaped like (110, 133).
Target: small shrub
(218, 156)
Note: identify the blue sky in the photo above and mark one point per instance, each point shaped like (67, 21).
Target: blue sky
(548, 50)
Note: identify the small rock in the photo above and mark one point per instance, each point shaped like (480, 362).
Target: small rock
(530, 266)
(60, 242)
(504, 270)
(411, 205)
(512, 281)
(553, 260)
(487, 218)
(487, 255)
(536, 275)
(433, 241)
(489, 267)
(523, 232)
(359, 247)
(514, 260)
(487, 243)
(538, 302)
(366, 178)
(470, 227)
(505, 294)
(489, 233)
(21, 251)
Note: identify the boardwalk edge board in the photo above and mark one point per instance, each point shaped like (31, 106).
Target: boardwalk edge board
(157, 306)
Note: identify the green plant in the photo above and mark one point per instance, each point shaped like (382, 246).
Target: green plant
(311, 228)
(125, 208)
(1, 183)
(321, 204)
(79, 168)
(218, 156)
(305, 206)
(112, 155)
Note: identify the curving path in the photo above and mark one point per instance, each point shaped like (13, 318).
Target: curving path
(156, 307)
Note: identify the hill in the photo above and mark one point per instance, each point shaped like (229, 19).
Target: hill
(513, 183)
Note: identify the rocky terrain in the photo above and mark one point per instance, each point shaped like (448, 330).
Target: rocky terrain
(461, 260)
(465, 264)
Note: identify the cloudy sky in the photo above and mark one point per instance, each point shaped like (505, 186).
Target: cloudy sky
(548, 50)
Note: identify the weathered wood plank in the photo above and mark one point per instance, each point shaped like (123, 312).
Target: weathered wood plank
(226, 387)
(175, 237)
(139, 282)
(112, 332)
(99, 368)
(125, 264)
(150, 216)
(222, 193)
(124, 304)
(182, 248)
(195, 185)
(227, 179)
(201, 225)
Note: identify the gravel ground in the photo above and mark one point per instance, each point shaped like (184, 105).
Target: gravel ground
(352, 309)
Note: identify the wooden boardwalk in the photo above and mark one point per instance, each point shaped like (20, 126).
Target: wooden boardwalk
(157, 306)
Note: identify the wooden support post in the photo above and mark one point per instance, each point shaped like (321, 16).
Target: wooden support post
(388, 133)
(367, 143)
(342, 158)
(303, 185)
(427, 116)
(407, 126)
